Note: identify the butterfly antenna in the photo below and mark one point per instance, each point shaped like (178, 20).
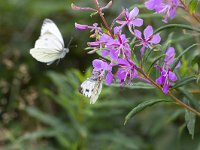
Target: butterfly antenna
(57, 62)
(70, 41)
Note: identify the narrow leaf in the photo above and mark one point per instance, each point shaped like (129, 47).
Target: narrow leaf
(44, 118)
(190, 98)
(196, 60)
(190, 120)
(182, 26)
(155, 60)
(184, 81)
(193, 6)
(142, 106)
(180, 56)
(137, 85)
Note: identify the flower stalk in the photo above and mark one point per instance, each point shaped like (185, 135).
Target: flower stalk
(99, 10)
(140, 70)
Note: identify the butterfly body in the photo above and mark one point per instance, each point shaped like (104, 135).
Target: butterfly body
(50, 45)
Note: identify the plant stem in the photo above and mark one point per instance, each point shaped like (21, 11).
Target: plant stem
(142, 72)
(188, 11)
(169, 93)
(102, 17)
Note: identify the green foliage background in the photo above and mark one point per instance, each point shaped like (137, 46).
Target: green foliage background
(40, 107)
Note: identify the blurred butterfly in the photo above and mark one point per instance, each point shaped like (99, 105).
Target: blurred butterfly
(50, 45)
(92, 87)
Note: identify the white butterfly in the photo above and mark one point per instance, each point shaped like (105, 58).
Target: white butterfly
(91, 88)
(50, 45)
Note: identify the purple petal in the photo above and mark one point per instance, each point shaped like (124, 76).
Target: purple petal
(81, 26)
(178, 65)
(148, 31)
(105, 53)
(138, 34)
(172, 12)
(160, 80)
(93, 43)
(170, 51)
(109, 78)
(142, 50)
(121, 22)
(105, 38)
(100, 65)
(97, 64)
(113, 54)
(151, 4)
(172, 76)
(122, 62)
(135, 73)
(138, 22)
(121, 74)
(117, 29)
(155, 39)
(166, 87)
(169, 58)
(133, 13)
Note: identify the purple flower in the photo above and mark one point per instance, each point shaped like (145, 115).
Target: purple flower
(166, 7)
(130, 19)
(166, 75)
(165, 78)
(103, 67)
(148, 40)
(126, 71)
(153, 4)
(115, 47)
(170, 57)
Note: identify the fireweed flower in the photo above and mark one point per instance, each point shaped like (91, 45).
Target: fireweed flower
(103, 68)
(166, 7)
(114, 47)
(126, 71)
(131, 20)
(166, 75)
(148, 40)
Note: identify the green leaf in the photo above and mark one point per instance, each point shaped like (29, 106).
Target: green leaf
(182, 26)
(45, 118)
(196, 60)
(190, 119)
(136, 85)
(155, 60)
(42, 133)
(184, 81)
(142, 106)
(180, 56)
(193, 6)
(190, 97)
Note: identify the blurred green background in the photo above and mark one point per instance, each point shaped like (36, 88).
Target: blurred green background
(40, 107)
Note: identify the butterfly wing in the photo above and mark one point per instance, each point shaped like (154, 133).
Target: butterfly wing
(91, 88)
(50, 27)
(96, 91)
(47, 49)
